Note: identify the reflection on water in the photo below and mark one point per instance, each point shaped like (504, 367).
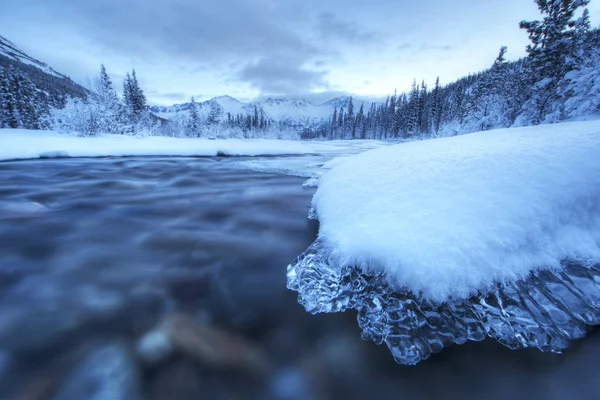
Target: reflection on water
(165, 279)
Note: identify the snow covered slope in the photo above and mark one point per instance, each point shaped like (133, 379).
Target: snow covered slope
(56, 85)
(11, 51)
(291, 112)
(436, 242)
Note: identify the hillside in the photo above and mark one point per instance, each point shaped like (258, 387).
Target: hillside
(29, 88)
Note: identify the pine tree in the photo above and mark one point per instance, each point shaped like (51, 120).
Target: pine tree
(436, 107)
(360, 122)
(139, 99)
(108, 107)
(194, 122)
(553, 43)
(413, 109)
(4, 98)
(422, 113)
(128, 100)
(334, 122)
(349, 122)
(263, 123)
(215, 112)
(255, 119)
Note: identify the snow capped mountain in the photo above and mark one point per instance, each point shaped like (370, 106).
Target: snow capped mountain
(298, 113)
(343, 101)
(11, 51)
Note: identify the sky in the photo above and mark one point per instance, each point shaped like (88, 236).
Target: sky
(253, 49)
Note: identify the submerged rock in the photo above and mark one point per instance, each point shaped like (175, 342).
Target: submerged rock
(207, 344)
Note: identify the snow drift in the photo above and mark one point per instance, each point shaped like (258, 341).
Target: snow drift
(417, 237)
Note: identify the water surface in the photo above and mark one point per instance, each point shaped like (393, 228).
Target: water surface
(95, 252)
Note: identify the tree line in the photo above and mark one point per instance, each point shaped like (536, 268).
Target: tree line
(559, 79)
(102, 111)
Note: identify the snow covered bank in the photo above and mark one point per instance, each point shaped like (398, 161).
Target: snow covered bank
(439, 242)
(24, 144)
(449, 217)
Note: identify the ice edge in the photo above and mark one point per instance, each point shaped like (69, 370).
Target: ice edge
(546, 310)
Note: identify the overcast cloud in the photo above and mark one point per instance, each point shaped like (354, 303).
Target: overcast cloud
(257, 48)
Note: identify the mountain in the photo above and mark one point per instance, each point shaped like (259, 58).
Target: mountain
(12, 52)
(56, 85)
(295, 113)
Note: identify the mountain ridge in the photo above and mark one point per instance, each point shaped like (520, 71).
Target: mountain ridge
(44, 77)
(296, 112)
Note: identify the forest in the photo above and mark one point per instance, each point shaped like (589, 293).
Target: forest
(558, 80)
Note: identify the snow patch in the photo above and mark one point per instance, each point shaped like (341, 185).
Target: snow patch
(447, 218)
(28, 144)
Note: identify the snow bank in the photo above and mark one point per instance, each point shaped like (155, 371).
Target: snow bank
(449, 217)
(24, 144)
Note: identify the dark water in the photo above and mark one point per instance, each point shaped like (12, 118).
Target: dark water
(94, 254)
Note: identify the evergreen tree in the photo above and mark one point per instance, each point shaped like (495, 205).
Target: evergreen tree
(108, 106)
(139, 99)
(553, 43)
(255, 119)
(334, 122)
(349, 122)
(194, 122)
(360, 122)
(215, 112)
(436, 107)
(422, 113)
(413, 110)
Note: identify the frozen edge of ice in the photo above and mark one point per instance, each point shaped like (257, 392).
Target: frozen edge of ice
(544, 311)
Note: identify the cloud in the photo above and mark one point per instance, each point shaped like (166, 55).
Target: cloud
(245, 47)
(205, 32)
(331, 27)
(423, 48)
(282, 76)
(430, 47)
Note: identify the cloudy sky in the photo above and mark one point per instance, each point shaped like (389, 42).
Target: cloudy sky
(250, 49)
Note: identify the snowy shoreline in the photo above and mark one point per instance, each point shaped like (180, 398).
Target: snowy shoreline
(18, 144)
(492, 234)
(448, 217)
(22, 144)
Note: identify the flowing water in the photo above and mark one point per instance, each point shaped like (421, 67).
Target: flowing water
(97, 253)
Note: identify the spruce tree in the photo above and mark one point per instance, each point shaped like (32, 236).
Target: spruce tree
(360, 122)
(349, 122)
(194, 122)
(109, 109)
(553, 44)
(436, 107)
(4, 98)
(255, 119)
(334, 122)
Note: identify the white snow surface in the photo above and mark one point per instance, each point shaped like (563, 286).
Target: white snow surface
(449, 217)
(26, 144)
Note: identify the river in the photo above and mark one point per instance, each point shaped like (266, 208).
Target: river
(102, 259)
